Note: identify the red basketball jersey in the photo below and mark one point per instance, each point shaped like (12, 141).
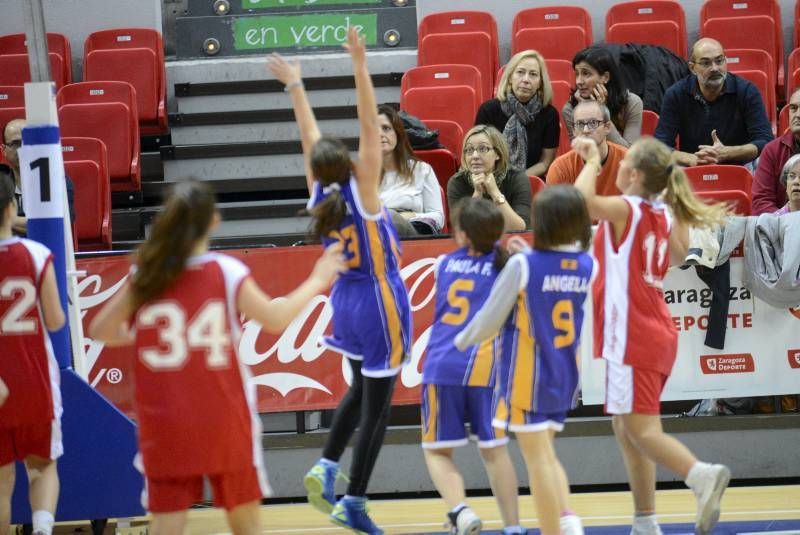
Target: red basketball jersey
(27, 363)
(194, 403)
(632, 324)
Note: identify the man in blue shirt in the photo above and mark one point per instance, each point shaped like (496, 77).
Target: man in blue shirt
(718, 116)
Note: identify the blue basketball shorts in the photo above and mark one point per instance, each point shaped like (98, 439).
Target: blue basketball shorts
(447, 408)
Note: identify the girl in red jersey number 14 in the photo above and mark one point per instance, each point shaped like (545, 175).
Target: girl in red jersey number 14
(639, 232)
(195, 405)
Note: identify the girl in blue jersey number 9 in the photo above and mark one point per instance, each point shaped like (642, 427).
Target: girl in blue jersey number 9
(538, 301)
(457, 385)
(371, 312)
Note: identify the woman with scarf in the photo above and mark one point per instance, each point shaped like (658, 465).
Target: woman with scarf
(523, 113)
(486, 172)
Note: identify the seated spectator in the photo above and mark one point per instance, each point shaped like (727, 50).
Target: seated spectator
(597, 77)
(485, 172)
(408, 188)
(719, 117)
(12, 141)
(523, 113)
(592, 120)
(790, 179)
(769, 193)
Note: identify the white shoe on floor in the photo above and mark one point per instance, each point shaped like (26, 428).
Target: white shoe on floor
(708, 490)
(465, 522)
(571, 525)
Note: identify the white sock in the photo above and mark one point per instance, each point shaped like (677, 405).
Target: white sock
(646, 520)
(694, 473)
(513, 530)
(43, 522)
(458, 507)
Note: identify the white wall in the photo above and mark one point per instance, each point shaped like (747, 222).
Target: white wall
(78, 18)
(504, 10)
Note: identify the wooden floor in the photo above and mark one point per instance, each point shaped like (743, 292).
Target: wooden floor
(596, 509)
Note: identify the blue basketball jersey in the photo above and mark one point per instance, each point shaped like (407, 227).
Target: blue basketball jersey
(369, 242)
(539, 344)
(463, 283)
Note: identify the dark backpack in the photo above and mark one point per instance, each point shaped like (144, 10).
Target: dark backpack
(420, 136)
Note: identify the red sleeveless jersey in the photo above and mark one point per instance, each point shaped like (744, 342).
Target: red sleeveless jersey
(27, 363)
(632, 324)
(194, 404)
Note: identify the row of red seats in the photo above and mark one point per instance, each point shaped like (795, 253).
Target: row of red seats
(133, 55)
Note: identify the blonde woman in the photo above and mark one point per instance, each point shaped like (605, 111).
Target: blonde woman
(522, 111)
(486, 172)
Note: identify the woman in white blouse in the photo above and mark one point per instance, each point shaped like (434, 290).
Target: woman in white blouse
(408, 189)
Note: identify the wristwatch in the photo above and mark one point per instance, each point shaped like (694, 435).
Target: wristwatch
(501, 199)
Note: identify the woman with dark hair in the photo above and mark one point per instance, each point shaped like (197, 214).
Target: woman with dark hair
(523, 112)
(408, 188)
(371, 311)
(597, 77)
(486, 172)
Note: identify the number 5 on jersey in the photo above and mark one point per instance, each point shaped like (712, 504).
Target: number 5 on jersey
(458, 300)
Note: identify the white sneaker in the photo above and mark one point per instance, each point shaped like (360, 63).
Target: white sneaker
(708, 491)
(571, 525)
(465, 522)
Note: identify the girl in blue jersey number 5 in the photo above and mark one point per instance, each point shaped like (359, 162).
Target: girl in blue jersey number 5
(371, 312)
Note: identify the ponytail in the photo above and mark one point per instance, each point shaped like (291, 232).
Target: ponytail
(328, 215)
(184, 221)
(500, 256)
(686, 206)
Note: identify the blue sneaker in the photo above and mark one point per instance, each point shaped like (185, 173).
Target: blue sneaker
(351, 513)
(320, 482)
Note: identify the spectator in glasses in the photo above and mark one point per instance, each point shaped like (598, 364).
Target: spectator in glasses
(485, 172)
(718, 116)
(591, 120)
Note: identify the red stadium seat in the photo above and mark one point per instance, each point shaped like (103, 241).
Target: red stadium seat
(560, 69)
(443, 75)
(793, 73)
(748, 31)
(450, 133)
(657, 22)
(649, 122)
(738, 201)
(554, 16)
(449, 103)
(561, 42)
(15, 69)
(85, 162)
(106, 111)
(783, 120)
(136, 56)
(459, 22)
(57, 45)
(761, 81)
(448, 48)
(444, 163)
(720, 177)
(750, 59)
(562, 91)
(536, 185)
(564, 143)
(12, 96)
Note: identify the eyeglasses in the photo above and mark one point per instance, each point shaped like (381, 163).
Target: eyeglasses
(482, 149)
(592, 124)
(14, 144)
(705, 63)
(791, 177)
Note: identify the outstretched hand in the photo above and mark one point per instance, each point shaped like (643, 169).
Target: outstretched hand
(586, 149)
(329, 265)
(285, 71)
(356, 46)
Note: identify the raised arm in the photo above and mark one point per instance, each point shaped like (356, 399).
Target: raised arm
(289, 73)
(274, 315)
(370, 158)
(610, 208)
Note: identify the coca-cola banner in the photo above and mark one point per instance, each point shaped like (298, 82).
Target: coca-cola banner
(761, 356)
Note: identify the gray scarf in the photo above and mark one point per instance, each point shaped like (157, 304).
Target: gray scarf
(520, 116)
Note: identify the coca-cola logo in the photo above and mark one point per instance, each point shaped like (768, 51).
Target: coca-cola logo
(300, 342)
(735, 363)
